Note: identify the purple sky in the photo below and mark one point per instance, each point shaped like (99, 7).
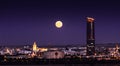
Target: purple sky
(23, 22)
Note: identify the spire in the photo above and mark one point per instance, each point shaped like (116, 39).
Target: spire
(34, 47)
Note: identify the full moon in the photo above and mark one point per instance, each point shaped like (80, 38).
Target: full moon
(59, 24)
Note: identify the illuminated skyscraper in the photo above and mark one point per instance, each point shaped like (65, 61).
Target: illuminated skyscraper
(35, 47)
(90, 36)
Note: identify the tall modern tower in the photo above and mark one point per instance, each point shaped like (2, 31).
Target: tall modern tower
(90, 36)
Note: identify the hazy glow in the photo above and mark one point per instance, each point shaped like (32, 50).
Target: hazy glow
(43, 49)
(59, 24)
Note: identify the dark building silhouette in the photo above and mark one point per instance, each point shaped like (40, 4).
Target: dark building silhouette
(90, 36)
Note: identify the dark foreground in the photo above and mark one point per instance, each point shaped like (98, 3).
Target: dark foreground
(69, 65)
(60, 62)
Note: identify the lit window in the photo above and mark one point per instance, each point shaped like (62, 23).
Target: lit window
(91, 43)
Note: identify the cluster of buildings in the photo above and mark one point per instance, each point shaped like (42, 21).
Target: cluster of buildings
(88, 51)
(33, 51)
(47, 53)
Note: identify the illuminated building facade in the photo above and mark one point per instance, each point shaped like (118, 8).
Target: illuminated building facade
(35, 47)
(53, 54)
(90, 36)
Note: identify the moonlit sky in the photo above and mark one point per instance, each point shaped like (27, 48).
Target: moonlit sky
(24, 21)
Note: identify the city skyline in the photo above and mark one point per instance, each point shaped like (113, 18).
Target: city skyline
(23, 22)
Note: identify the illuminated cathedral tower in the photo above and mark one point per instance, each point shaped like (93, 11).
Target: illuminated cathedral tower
(90, 36)
(35, 47)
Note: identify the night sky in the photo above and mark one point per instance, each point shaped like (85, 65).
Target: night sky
(23, 22)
